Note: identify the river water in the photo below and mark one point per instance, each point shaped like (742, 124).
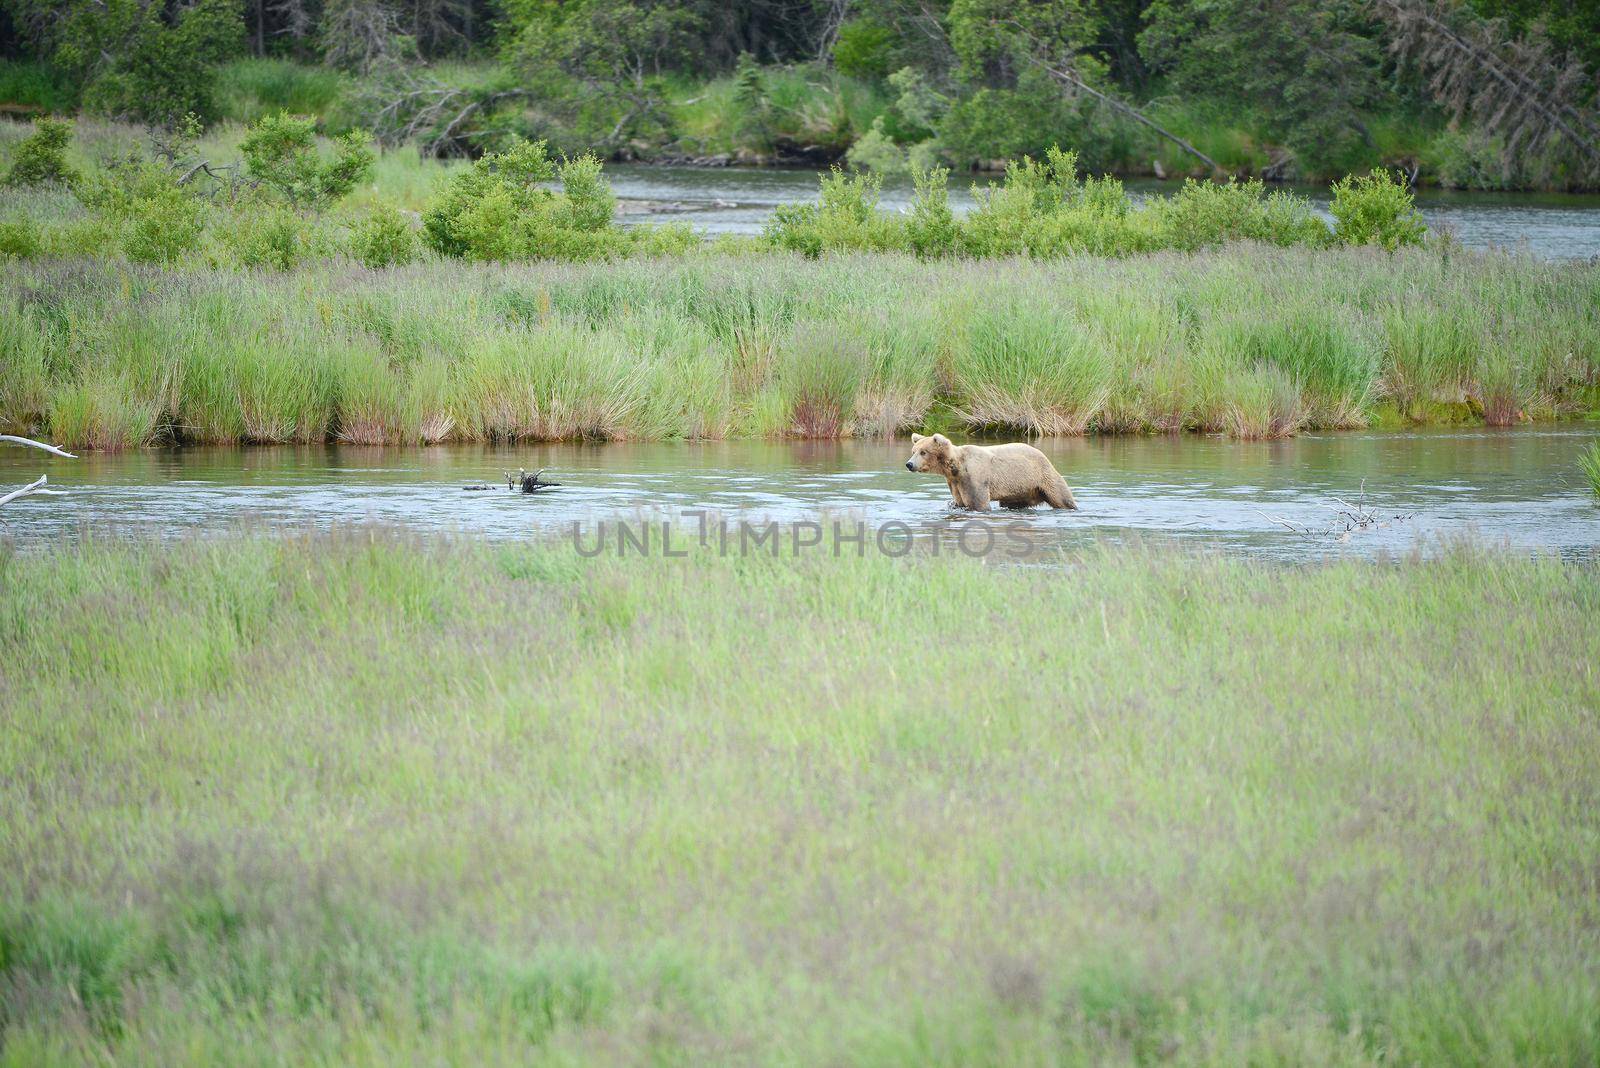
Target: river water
(740, 200)
(1515, 487)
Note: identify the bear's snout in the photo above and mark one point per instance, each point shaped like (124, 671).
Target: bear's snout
(911, 465)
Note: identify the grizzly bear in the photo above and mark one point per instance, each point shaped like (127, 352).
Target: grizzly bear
(1016, 475)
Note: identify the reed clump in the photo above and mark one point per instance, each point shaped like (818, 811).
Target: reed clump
(1249, 340)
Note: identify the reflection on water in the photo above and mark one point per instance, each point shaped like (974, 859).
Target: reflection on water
(1520, 486)
(740, 200)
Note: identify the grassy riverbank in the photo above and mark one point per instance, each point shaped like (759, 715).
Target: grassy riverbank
(356, 799)
(1251, 341)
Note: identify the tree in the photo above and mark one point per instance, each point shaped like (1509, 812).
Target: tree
(614, 51)
(1307, 68)
(142, 59)
(1538, 102)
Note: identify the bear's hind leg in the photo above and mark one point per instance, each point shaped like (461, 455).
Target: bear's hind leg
(1058, 495)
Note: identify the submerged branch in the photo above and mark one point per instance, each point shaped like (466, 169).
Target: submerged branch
(37, 486)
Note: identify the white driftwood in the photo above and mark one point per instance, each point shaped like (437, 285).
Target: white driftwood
(15, 440)
(32, 487)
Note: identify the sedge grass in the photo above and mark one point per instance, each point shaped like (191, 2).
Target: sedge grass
(350, 798)
(1249, 340)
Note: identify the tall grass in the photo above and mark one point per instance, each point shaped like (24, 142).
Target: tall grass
(1589, 464)
(353, 799)
(1252, 340)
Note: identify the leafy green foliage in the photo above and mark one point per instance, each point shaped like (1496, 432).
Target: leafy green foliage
(20, 238)
(1206, 214)
(1046, 209)
(501, 209)
(155, 219)
(599, 63)
(132, 59)
(281, 153)
(846, 218)
(270, 236)
(1308, 67)
(931, 230)
(864, 48)
(383, 238)
(41, 157)
(1376, 209)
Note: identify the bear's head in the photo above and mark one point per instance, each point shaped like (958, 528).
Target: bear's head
(934, 454)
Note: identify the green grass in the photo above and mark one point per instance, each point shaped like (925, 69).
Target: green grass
(250, 89)
(809, 106)
(1250, 340)
(355, 799)
(29, 85)
(1589, 463)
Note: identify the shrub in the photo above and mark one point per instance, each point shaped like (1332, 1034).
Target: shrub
(271, 236)
(931, 230)
(845, 219)
(589, 196)
(496, 209)
(20, 238)
(41, 157)
(1206, 214)
(383, 238)
(155, 219)
(281, 153)
(1376, 209)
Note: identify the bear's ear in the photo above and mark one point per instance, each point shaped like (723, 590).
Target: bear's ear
(940, 439)
(915, 438)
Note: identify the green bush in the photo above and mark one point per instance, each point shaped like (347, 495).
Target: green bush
(41, 157)
(1206, 214)
(1044, 209)
(20, 238)
(501, 209)
(281, 153)
(589, 196)
(845, 219)
(149, 61)
(932, 230)
(1376, 209)
(271, 236)
(154, 220)
(383, 238)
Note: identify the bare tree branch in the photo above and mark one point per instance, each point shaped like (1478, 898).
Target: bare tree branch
(29, 489)
(15, 440)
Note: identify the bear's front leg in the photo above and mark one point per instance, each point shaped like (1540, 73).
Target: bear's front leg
(974, 495)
